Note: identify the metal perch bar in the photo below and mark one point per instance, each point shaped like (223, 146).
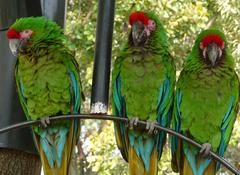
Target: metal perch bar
(114, 118)
(4, 29)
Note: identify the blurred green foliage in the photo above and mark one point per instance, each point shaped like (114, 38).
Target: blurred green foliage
(183, 20)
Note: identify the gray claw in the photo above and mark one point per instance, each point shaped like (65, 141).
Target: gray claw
(45, 122)
(206, 148)
(133, 122)
(150, 126)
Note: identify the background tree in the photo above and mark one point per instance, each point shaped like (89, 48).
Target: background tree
(183, 19)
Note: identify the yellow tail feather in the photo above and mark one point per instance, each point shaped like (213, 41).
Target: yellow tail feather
(136, 166)
(211, 169)
(186, 168)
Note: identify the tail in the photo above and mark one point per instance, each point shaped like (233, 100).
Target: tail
(138, 149)
(136, 165)
(188, 161)
(55, 170)
(187, 170)
(56, 149)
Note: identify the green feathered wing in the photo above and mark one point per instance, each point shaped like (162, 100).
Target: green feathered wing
(143, 86)
(205, 109)
(48, 82)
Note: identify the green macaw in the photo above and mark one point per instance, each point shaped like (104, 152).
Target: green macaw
(48, 83)
(143, 86)
(206, 104)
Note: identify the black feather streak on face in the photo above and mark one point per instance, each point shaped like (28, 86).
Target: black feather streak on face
(212, 54)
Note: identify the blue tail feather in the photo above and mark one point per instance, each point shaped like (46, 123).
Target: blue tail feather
(52, 142)
(191, 158)
(143, 148)
(60, 144)
(47, 150)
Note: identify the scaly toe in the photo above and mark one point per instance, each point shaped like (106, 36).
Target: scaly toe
(45, 122)
(133, 122)
(206, 148)
(151, 127)
(147, 125)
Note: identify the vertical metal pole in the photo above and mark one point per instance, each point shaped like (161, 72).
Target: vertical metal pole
(55, 10)
(102, 62)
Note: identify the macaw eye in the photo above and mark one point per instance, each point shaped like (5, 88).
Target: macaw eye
(151, 25)
(26, 34)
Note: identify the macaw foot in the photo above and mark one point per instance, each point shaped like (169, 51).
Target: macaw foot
(150, 126)
(133, 122)
(206, 148)
(45, 122)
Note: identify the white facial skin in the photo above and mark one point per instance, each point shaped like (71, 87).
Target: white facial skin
(26, 34)
(150, 27)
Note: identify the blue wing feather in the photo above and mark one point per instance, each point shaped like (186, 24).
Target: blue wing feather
(176, 122)
(120, 110)
(164, 109)
(225, 124)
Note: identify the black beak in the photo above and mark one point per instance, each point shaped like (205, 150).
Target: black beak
(16, 45)
(213, 52)
(139, 35)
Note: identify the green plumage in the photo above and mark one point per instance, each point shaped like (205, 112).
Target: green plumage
(48, 83)
(206, 102)
(143, 71)
(143, 85)
(140, 87)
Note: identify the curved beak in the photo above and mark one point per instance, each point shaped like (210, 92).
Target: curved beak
(15, 46)
(213, 52)
(138, 33)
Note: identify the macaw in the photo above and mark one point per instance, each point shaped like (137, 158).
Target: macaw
(48, 84)
(143, 81)
(205, 105)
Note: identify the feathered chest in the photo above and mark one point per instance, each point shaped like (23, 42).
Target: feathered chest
(141, 80)
(207, 79)
(45, 86)
(204, 92)
(142, 73)
(45, 72)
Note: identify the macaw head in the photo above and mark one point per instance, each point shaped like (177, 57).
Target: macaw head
(212, 47)
(26, 32)
(142, 28)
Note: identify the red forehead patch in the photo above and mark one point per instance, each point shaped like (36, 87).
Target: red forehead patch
(12, 33)
(210, 39)
(138, 16)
